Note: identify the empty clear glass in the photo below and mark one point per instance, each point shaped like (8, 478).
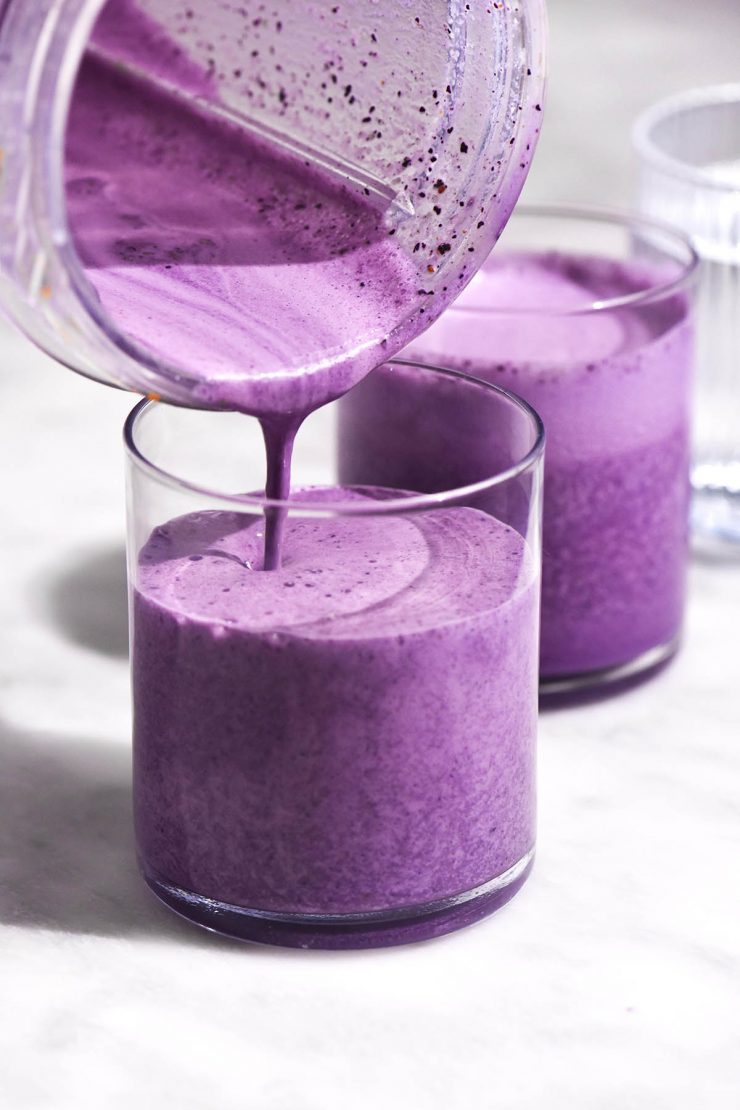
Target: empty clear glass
(689, 150)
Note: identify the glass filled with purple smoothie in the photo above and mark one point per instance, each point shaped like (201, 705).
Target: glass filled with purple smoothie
(335, 694)
(588, 316)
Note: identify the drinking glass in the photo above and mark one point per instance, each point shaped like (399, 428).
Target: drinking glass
(689, 151)
(340, 752)
(587, 315)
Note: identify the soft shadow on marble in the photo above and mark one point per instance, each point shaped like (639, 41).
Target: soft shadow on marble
(609, 691)
(87, 600)
(67, 857)
(706, 552)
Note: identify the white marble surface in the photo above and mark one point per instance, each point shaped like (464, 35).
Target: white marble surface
(611, 982)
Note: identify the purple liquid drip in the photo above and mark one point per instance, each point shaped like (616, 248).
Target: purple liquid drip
(279, 435)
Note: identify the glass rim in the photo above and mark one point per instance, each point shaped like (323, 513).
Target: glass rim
(708, 96)
(601, 215)
(422, 502)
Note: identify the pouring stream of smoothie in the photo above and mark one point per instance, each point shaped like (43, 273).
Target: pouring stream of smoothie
(211, 250)
(279, 434)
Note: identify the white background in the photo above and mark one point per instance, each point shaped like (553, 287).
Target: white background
(612, 982)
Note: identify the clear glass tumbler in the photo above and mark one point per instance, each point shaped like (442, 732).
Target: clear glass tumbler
(339, 753)
(587, 315)
(689, 151)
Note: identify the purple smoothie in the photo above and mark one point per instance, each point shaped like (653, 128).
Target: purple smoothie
(215, 252)
(246, 196)
(613, 389)
(354, 733)
(273, 284)
(314, 737)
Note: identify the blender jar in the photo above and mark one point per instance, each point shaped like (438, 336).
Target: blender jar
(427, 116)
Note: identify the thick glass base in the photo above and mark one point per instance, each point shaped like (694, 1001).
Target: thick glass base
(715, 510)
(378, 929)
(561, 689)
